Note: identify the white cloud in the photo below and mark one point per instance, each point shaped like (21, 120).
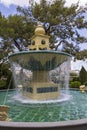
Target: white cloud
(26, 2)
(81, 2)
(15, 2)
(78, 64)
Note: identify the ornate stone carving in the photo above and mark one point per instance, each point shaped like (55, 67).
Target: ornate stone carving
(3, 113)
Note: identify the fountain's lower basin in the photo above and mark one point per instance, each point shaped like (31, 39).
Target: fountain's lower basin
(69, 115)
(73, 109)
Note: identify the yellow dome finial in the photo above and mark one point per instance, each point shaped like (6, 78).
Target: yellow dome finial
(39, 23)
(39, 29)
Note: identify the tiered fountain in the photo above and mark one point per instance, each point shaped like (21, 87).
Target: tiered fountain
(39, 63)
(39, 74)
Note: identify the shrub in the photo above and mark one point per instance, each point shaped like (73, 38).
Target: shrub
(75, 84)
(5, 76)
(2, 84)
(85, 83)
(74, 77)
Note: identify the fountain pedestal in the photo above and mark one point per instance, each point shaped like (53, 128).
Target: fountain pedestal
(41, 88)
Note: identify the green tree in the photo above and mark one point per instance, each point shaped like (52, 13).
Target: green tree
(14, 30)
(22, 30)
(5, 46)
(83, 75)
(5, 76)
(82, 54)
(61, 23)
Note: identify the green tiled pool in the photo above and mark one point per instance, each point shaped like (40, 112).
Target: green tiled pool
(73, 109)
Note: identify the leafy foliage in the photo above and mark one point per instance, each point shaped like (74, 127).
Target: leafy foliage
(3, 84)
(85, 83)
(75, 84)
(82, 55)
(5, 76)
(64, 22)
(61, 23)
(83, 75)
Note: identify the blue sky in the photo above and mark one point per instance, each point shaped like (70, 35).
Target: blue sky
(8, 10)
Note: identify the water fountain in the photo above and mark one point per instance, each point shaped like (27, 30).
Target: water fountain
(37, 66)
(39, 74)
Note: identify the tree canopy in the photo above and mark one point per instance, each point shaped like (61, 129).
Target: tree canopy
(62, 23)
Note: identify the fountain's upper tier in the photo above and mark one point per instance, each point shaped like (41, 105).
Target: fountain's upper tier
(39, 57)
(39, 60)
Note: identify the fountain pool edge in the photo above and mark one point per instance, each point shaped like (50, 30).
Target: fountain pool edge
(61, 125)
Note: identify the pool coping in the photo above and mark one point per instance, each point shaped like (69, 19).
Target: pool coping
(44, 124)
